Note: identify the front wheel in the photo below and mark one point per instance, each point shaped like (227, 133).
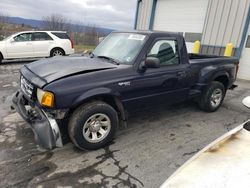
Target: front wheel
(212, 97)
(93, 125)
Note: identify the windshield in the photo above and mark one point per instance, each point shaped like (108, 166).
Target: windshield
(122, 47)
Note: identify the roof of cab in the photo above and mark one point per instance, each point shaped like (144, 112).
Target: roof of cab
(151, 32)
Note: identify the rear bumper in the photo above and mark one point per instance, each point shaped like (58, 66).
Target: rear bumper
(70, 51)
(46, 130)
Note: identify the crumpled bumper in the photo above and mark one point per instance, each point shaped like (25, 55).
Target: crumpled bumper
(46, 130)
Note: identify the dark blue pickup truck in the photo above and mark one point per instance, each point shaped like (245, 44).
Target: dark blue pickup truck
(91, 94)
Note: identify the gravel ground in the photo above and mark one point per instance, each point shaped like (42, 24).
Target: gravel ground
(155, 143)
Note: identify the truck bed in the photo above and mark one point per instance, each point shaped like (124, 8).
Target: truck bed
(200, 58)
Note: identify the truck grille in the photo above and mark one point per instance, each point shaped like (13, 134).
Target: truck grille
(26, 87)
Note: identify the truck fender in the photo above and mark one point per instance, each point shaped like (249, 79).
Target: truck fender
(210, 73)
(99, 93)
(218, 74)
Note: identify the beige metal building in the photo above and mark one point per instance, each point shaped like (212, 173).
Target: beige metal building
(213, 22)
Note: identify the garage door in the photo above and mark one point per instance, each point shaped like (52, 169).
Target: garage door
(244, 66)
(180, 15)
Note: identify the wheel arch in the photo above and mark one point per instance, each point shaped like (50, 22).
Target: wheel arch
(101, 94)
(1, 55)
(222, 78)
(54, 48)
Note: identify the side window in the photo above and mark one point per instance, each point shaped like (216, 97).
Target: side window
(23, 37)
(61, 35)
(165, 51)
(40, 36)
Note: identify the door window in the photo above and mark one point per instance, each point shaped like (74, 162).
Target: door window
(40, 36)
(23, 37)
(166, 51)
(61, 35)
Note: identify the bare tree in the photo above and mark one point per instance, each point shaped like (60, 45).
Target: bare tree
(3, 20)
(91, 35)
(78, 32)
(56, 22)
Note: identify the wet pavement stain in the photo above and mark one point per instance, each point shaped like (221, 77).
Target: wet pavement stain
(21, 171)
(77, 179)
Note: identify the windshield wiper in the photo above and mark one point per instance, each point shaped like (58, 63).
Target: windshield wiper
(110, 59)
(91, 54)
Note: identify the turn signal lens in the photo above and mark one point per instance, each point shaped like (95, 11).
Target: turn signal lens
(45, 98)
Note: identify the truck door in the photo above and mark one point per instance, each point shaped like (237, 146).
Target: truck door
(166, 84)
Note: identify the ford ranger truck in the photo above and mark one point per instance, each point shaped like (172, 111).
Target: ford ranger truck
(127, 70)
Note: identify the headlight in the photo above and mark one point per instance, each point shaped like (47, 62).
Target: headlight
(45, 98)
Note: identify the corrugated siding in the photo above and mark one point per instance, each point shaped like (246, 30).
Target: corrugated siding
(144, 13)
(244, 67)
(224, 23)
(139, 12)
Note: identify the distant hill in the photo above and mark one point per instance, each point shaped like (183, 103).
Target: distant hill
(29, 22)
(39, 23)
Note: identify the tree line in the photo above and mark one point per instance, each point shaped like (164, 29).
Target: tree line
(87, 35)
(83, 35)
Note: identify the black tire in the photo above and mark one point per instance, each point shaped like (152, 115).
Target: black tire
(206, 100)
(57, 52)
(81, 116)
(1, 58)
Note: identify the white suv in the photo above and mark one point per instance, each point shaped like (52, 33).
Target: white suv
(33, 44)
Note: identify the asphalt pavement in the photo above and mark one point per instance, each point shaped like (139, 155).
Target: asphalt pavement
(155, 143)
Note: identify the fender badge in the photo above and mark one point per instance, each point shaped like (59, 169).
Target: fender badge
(124, 83)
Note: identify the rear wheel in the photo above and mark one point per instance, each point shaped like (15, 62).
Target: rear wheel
(212, 97)
(57, 52)
(1, 58)
(93, 125)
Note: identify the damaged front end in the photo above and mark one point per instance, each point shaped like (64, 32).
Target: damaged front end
(45, 128)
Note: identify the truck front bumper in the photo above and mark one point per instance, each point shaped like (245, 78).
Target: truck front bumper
(46, 130)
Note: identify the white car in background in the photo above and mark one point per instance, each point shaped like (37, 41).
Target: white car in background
(35, 44)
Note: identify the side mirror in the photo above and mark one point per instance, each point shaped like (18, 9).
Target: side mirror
(246, 101)
(12, 40)
(152, 62)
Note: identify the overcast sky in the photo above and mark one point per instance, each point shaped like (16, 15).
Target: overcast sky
(117, 14)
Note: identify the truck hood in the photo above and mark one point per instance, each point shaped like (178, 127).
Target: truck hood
(52, 69)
